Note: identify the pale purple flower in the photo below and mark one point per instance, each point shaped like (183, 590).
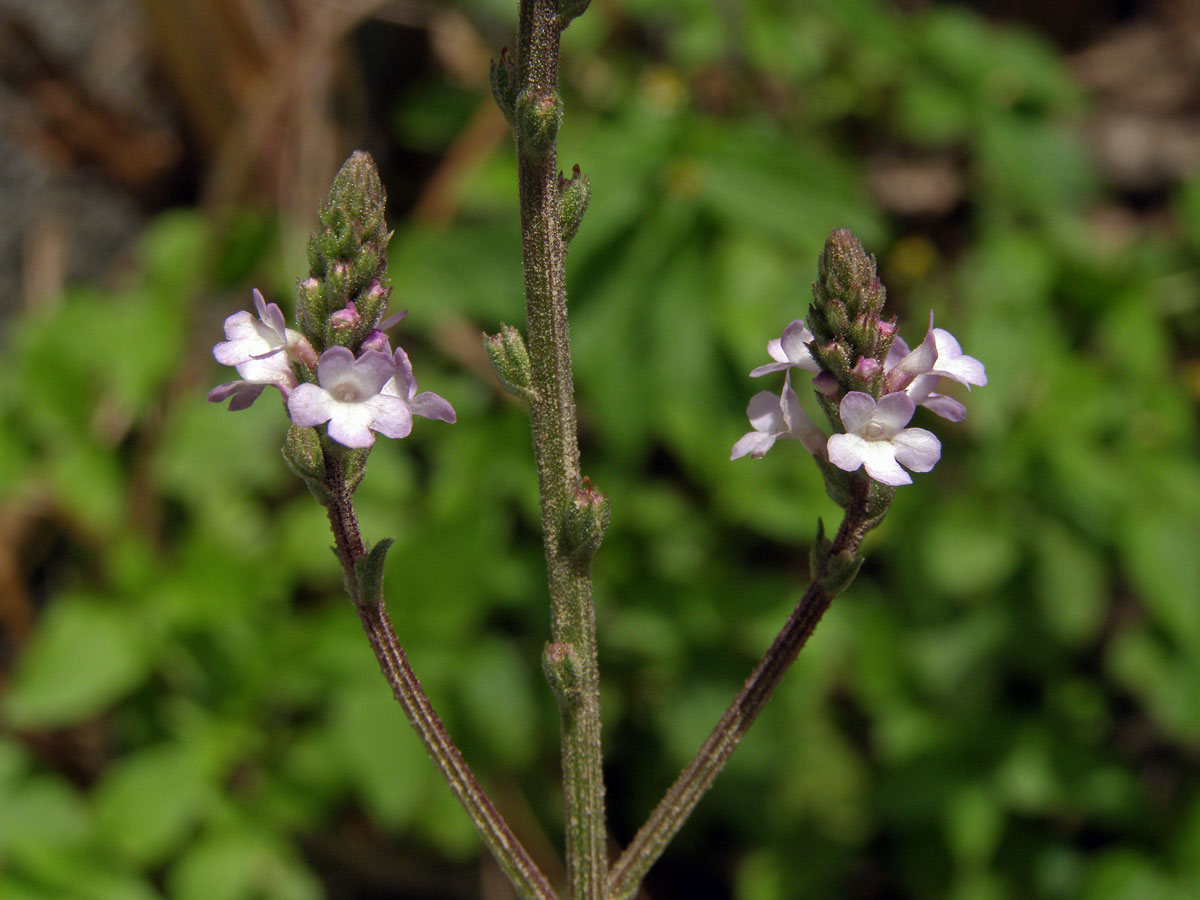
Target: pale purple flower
(258, 349)
(938, 356)
(789, 351)
(403, 384)
(774, 417)
(349, 396)
(877, 440)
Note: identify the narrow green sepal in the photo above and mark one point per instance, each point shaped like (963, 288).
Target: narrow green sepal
(571, 9)
(585, 521)
(503, 77)
(840, 572)
(510, 361)
(302, 450)
(574, 194)
(303, 455)
(564, 672)
(368, 569)
(879, 501)
(819, 550)
(538, 116)
(354, 467)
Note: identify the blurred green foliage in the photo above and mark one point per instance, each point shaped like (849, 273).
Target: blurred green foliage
(1005, 705)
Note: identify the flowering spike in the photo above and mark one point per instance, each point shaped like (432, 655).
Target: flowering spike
(845, 314)
(347, 259)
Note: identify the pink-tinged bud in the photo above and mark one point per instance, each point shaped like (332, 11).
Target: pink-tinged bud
(345, 319)
(377, 340)
(825, 383)
(310, 284)
(887, 329)
(866, 368)
(301, 350)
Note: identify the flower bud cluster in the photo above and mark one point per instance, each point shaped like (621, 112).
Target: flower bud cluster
(339, 369)
(866, 379)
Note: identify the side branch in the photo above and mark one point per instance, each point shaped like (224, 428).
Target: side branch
(513, 858)
(668, 817)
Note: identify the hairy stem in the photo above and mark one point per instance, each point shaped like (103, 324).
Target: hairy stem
(513, 858)
(556, 447)
(679, 801)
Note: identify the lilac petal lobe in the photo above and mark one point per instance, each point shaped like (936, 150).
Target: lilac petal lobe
(310, 405)
(754, 444)
(350, 424)
(334, 365)
(764, 413)
(946, 407)
(769, 368)
(917, 448)
(894, 411)
(856, 410)
(429, 405)
(880, 462)
(391, 416)
(845, 451)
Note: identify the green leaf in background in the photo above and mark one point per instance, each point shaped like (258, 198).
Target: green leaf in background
(86, 655)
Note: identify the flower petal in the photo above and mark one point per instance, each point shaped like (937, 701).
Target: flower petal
(894, 411)
(917, 448)
(946, 407)
(310, 405)
(754, 444)
(953, 363)
(391, 416)
(764, 413)
(429, 405)
(845, 451)
(350, 424)
(792, 344)
(856, 410)
(879, 459)
(334, 365)
(244, 393)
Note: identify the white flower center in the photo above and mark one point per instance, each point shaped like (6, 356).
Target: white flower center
(873, 431)
(346, 392)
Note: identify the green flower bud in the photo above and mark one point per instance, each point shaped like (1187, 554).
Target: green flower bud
(845, 315)
(510, 361)
(585, 522)
(564, 672)
(303, 455)
(574, 194)
(538, 116)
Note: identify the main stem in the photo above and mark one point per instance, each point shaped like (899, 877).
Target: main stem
(556, 447)
(513, 858)
(677, 804)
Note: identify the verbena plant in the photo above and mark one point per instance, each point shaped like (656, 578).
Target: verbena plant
(343, 384)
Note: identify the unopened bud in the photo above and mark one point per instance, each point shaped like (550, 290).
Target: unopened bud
(303, 455)
(574, 194)
(563, 670)
(510, 361)
(345, 319)
(586, 521)
(538, 116)
(377, 340)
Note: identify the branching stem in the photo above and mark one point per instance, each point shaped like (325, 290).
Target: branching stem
(513, 858)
